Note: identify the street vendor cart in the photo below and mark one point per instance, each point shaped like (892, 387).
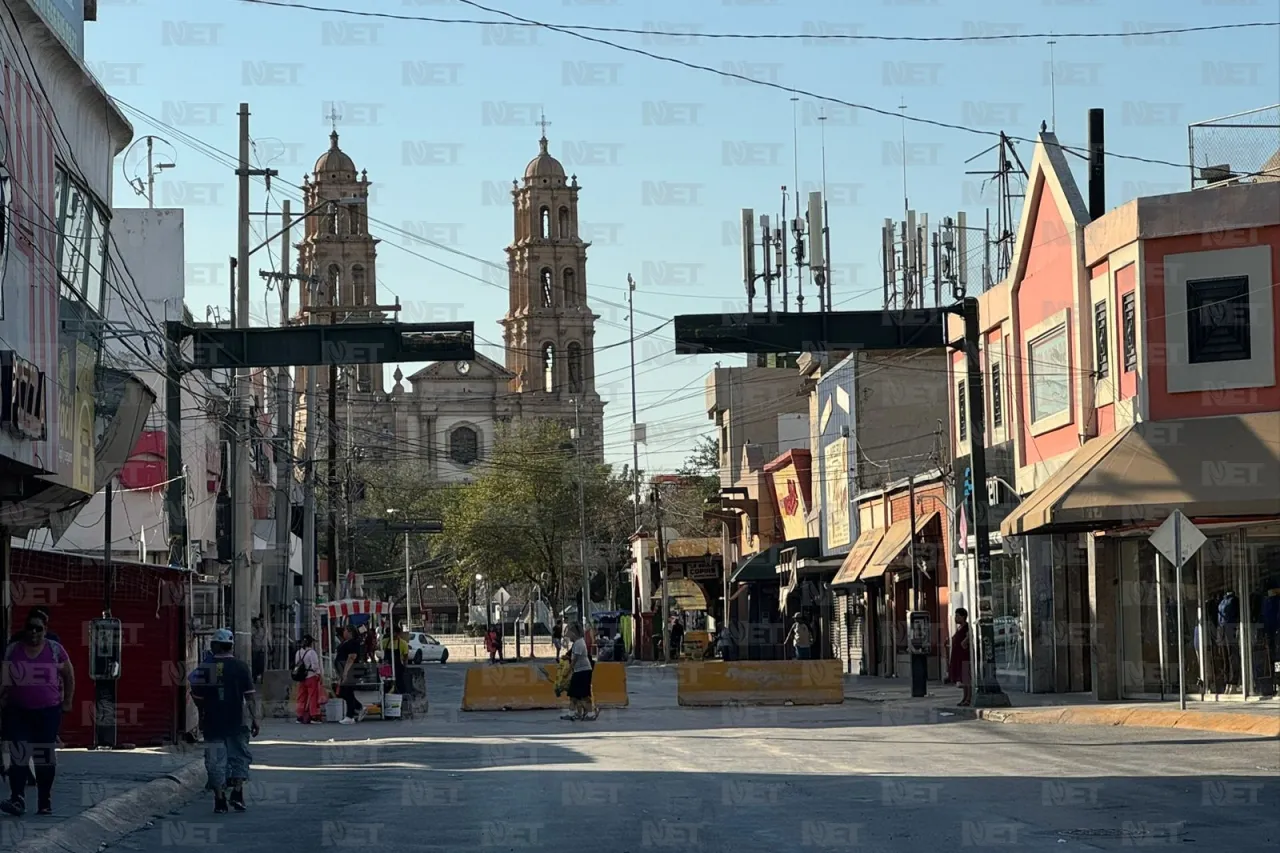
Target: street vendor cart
(375, 682)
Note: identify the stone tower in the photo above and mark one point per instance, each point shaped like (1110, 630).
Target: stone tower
(549, 330)
(337, 248)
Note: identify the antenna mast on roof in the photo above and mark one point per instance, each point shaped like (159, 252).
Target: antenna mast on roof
(1009, 189)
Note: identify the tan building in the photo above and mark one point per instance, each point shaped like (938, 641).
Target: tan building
(448, 415)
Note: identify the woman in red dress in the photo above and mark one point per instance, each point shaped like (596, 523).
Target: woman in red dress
(959, 670)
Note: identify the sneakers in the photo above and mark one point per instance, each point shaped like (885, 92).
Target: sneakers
(237, 799)
(15, 806)
(363, 712)
(220, 804)
(347, 721)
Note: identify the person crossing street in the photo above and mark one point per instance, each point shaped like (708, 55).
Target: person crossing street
(223, 689)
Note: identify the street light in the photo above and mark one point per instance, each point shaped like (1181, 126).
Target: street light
(408, 600)
(487, 616)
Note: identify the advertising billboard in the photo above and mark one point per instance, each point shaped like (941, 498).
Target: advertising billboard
(66, 19)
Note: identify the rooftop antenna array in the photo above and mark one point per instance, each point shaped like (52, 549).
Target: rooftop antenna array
(1009, 172)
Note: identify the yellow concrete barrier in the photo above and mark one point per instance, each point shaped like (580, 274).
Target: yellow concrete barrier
(763, 682)
(532, 688)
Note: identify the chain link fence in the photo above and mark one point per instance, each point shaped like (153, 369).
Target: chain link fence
(1244, 145)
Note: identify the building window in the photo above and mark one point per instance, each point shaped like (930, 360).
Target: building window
(576, 383)
(1047, 367)
(544, 223)
(564, 223)
(82, 240)
(548, 367)
(1101, 351)
(335, 284)
(1129, 315)
(547, 288)
(997, 395)
(364, 378)
(570, 288)
(464, 445)
(359, 286)
(962, 410)
(1218, 320)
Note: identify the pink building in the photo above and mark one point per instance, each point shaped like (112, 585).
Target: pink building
(1131, 359)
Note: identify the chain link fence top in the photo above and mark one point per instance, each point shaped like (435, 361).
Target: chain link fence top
(1244, 145)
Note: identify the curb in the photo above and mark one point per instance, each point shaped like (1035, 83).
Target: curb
(1205, 721)
(117, 816)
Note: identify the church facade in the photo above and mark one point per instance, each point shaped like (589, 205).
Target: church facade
(448, 414)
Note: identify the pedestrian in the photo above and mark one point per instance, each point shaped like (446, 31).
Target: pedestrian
(959, 669)
(259, 649)
(557, 637)
(801, 638)
(677, 637)
(580, 679)
(350, 652)
(37, 686)
(20, 636)
(222, 689)
(311, 688)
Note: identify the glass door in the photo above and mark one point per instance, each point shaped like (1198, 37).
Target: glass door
(1140, 621)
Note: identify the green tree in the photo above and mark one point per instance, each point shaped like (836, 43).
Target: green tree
(519, 523)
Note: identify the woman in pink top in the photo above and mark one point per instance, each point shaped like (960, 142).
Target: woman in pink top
(37, 684)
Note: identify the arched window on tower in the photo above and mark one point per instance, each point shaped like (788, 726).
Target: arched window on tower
(570, 288)
(359, 286)
(577, 383)
(547, 287)
(544, 223)
(564, 224)
(364, 378)
(334, 285)
(331, 220)
(548, 367)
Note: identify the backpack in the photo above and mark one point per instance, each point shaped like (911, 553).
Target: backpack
(299, 673)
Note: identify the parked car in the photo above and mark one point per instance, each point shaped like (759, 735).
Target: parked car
(424, 647)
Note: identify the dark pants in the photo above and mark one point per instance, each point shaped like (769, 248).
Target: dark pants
(259, 664)
(32, 734)
(348, 695)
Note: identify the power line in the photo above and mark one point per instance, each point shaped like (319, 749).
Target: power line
(816, 36)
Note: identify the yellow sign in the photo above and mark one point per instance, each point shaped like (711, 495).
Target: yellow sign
(791, 505)
(835, 487)
(83, 479)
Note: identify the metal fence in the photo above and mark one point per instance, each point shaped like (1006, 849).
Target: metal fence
(1242, 145)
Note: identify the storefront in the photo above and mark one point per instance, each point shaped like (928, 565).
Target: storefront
(1108, 500)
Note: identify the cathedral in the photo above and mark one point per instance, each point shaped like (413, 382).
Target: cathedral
(448, 414)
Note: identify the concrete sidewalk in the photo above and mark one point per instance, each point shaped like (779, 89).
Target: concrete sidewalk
(101, 796)
(1259, 718)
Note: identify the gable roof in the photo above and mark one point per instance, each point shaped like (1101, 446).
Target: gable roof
(1049, 172)
(481, 367)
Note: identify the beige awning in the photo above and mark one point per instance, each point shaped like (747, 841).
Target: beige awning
(858, 556)
(1225, 467)
(895, 542)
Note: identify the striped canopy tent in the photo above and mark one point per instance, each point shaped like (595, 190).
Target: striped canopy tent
(354, 607)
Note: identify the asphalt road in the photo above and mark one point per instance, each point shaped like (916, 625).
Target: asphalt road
(655, 776)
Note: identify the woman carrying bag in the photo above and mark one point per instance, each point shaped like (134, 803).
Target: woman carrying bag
(306, 672)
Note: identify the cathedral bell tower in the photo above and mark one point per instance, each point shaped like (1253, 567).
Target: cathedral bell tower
(549, 330)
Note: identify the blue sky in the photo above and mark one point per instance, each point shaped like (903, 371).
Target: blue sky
(442, 117)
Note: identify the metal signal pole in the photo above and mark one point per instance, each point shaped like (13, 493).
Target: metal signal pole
(635, 418)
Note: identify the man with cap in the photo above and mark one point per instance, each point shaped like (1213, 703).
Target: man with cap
(222, 688)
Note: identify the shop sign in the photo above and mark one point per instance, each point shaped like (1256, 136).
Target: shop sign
(835, 483)
(786, 488)
(701, 571)
(22, 398)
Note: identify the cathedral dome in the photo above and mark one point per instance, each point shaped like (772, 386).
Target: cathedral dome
(335, 159)
(544, 165)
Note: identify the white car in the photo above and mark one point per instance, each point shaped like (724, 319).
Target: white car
(424, 647)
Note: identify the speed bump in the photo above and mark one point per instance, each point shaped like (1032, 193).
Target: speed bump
(531, 687)
(763, 682)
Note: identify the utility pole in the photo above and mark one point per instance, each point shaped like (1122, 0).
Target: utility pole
(987, 693)
(284, 468)
(580, 445)
(331, 544)
(662, 569)
(635, 417)
(309, 562)
(242, 493)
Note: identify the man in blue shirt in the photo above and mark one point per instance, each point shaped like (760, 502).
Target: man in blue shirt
(222, 689)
